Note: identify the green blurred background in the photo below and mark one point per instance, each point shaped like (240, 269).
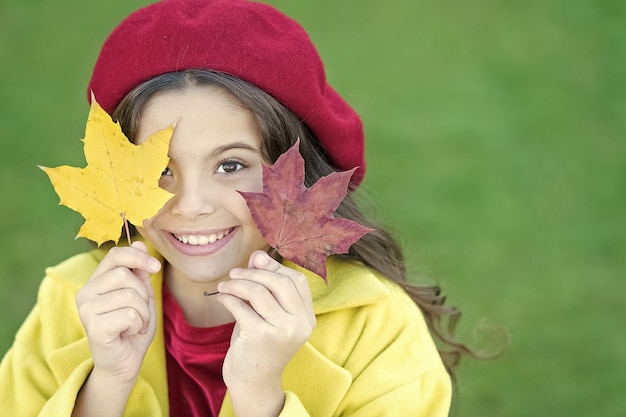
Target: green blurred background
(496, 147)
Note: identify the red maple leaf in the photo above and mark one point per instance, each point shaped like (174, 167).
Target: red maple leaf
(298, 221)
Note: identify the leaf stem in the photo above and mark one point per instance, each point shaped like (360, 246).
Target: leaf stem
(127, 229)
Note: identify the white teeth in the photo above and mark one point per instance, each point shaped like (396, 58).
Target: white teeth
(197, 240)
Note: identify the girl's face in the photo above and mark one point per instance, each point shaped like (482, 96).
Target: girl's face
(206, 229)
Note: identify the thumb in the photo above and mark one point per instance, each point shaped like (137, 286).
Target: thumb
(150, 327)
(142, 274)
(138, 244)
(144, 277)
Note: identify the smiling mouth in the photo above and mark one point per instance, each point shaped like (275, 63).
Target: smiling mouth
(200, 240)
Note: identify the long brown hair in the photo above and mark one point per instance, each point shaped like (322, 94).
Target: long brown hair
(279, 130)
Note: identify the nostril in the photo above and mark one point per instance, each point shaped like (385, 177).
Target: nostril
(191, 205)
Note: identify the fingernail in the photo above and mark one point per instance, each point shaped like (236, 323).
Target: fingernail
(262, 260)
(154, 265)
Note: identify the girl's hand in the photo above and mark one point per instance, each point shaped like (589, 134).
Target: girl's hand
(273, 308)
(117, 310)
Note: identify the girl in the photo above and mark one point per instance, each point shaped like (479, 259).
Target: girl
(134, 330)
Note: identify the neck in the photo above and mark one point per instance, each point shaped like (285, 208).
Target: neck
(199, 308)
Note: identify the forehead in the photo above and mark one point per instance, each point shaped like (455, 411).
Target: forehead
(200, 115)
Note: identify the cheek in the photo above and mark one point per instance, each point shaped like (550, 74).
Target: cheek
(251, 181)
(142, 230)
(149, 235)
(253, 188)
(146, 228)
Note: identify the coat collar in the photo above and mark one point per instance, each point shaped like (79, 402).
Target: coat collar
(350, 284)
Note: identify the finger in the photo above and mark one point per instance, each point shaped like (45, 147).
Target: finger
(277, 277)
(261, 300)
(106, 328)
(131, 257)
(242, 312)
(152, 266)
(124, 298)
(261, 260)
(119, 278)
(255, 327)
(120, 260)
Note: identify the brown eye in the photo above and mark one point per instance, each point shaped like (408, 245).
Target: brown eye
(229, 167)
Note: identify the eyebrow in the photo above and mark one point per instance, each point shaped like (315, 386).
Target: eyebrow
(235, 145)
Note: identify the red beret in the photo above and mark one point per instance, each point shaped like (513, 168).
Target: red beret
(251, 41)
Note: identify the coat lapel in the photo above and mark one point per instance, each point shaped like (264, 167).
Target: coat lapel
(312, 376)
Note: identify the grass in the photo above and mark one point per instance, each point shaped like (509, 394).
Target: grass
(496, 144)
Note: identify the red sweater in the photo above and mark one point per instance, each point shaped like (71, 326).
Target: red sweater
(195, 356)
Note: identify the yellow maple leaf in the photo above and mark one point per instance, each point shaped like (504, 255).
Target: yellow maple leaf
(120, 182)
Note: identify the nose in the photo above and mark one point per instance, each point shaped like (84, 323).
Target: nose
(193, 200)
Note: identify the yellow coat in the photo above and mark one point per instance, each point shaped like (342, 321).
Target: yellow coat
(370, 355)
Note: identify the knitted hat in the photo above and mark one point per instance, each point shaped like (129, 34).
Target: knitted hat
(251, 41)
